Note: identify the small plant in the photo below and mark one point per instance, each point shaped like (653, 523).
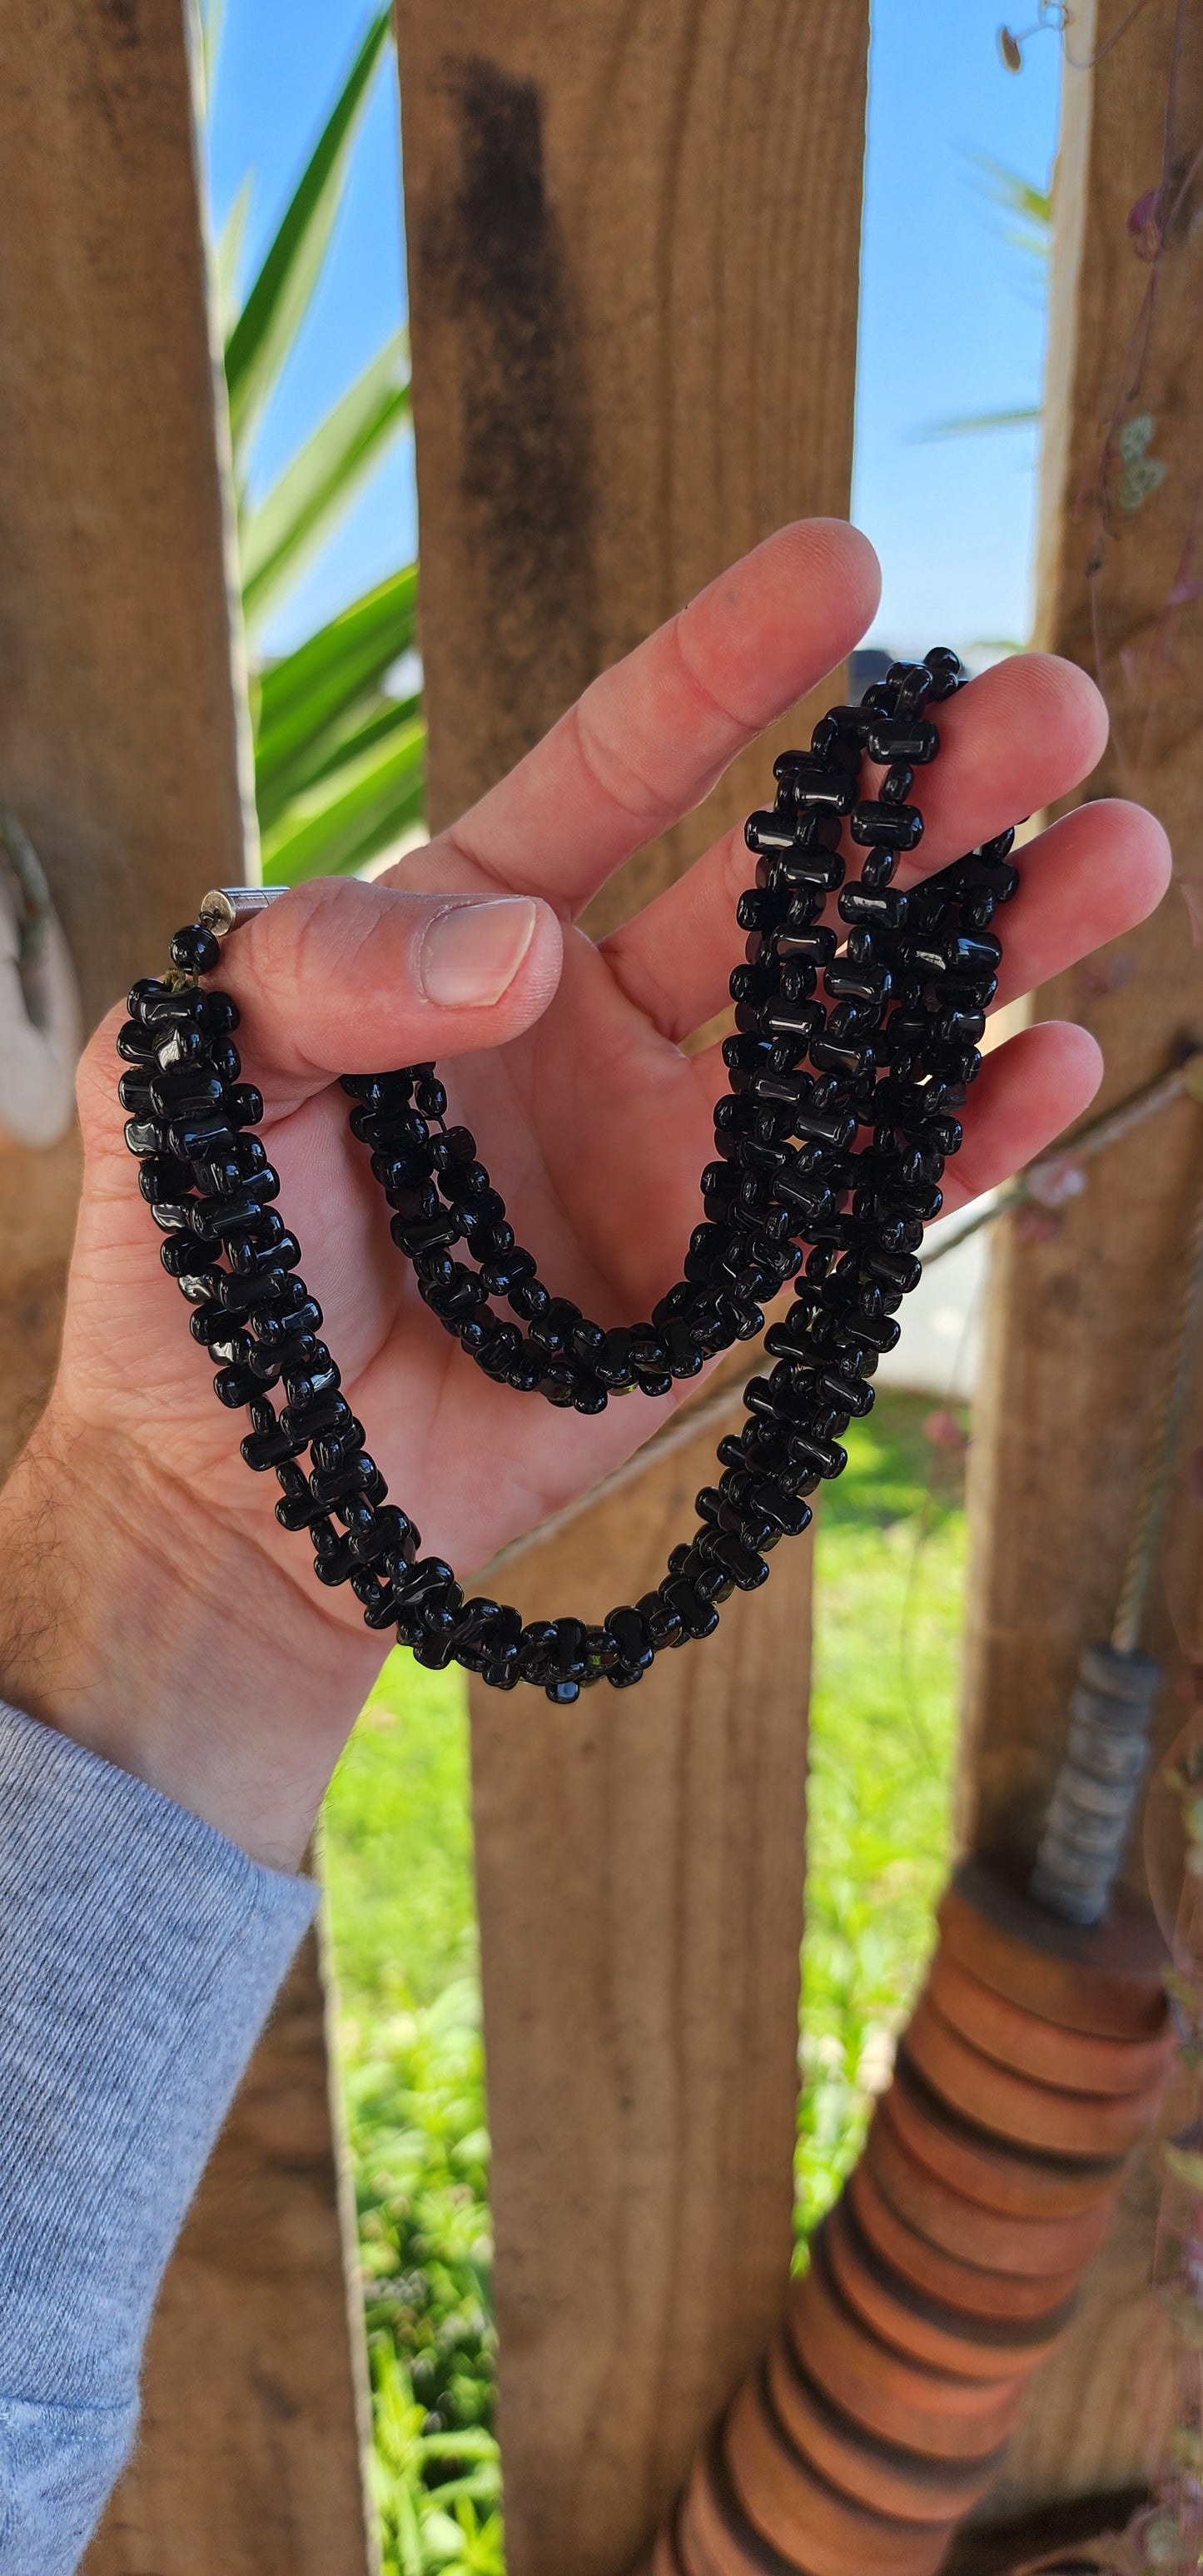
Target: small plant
(415, 2106)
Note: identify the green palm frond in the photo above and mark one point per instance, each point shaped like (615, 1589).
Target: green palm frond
(304, 506)
(1029, 206)
(227, 253)
(267, 326)
(977, 424)
(332, 680)
(212, 22)
(348, 817)
(339, 759)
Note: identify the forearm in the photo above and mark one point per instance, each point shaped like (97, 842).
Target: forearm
(138, 1621)
(139, 1954)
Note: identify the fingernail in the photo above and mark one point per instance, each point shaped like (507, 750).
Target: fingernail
(471, 953)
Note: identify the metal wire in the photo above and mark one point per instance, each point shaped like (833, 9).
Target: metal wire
(1107, 1130)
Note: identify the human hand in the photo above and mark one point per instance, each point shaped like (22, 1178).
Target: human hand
(187, 1635)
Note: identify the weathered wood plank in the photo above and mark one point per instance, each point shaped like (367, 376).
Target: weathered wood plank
(639, 1882)
(119, 720)
(1082, 1322)
(633, 243)
(122, 719)
(633, 239)
(640, 1867)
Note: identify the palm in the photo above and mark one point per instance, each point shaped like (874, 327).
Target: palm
(594, 1124)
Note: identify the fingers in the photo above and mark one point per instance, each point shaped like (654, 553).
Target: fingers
(650, 737)
(1026, 1093)
(1087, 879)
(339, 977)
(1023, 734)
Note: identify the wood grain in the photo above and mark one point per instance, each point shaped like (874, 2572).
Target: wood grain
(120, 713)
(123, 750)
(1080, 1323)
(639, 1862)
(633, 241)
(633, 245)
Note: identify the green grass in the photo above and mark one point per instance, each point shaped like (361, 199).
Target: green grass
(889, 1572)
(398, 1847)
(888, 1583)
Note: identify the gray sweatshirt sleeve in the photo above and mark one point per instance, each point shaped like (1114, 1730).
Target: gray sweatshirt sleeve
(139, 1956)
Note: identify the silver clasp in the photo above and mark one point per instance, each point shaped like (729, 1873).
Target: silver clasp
(225, 908)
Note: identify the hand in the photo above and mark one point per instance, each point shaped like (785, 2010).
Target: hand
(171, 1621)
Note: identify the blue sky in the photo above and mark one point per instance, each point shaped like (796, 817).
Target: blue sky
(951, 318)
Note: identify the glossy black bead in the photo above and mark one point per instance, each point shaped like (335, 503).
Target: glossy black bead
(695, 1616)
(513, 1277)
(325, 1413)
(196, 1140)
(831, 789)
(194, 950)
(945, 669)
(894, 738)
(883, 909)
(162, 1177)
(891, 827)
(183, 1092)
(133, 1092)
(263, 1449)
(180, 1044)
(148, 989)
(135, 1044)
(385, 1091)
(243, 1104)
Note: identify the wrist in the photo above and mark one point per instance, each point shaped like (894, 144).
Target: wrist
(143, 1623)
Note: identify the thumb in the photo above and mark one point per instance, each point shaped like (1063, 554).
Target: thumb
(343, 977)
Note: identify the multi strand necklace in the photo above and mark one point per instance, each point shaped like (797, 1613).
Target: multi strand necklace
(830, 1145)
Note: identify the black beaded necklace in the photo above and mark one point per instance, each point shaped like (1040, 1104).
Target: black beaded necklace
(890, 1052)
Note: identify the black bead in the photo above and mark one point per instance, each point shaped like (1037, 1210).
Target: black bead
(890, 827)
(194, 950)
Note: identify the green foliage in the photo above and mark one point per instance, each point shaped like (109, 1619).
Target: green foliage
(296, 517)
(975, 424)
(398, 1847)
(415, 2107)
(339, 759)
(267, 327)
(1030, 207)
(888, 1578)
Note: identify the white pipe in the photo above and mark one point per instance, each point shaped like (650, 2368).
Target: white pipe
(40, 1019)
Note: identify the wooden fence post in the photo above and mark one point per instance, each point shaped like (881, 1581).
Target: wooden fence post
(122, 751)
(633, 242)
(1082, 1320)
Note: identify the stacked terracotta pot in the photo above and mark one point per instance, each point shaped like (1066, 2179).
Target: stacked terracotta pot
(1035, 2062)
